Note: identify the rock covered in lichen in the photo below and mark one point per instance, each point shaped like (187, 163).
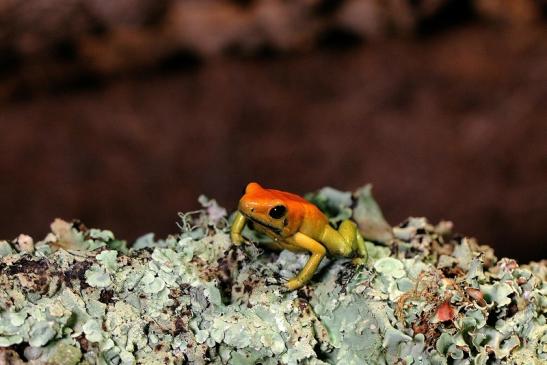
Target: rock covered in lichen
(426, 296)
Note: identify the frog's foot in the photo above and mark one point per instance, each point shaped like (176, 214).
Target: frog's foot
(283, 285)
(359, 261)
(242, 242)
(294, 283)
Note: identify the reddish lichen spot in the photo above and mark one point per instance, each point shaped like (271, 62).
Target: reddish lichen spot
(445, 312)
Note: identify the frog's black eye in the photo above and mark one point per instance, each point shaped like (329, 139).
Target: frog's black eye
(277, 212)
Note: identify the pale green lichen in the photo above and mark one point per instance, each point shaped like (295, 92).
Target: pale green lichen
(97, 278)
(5, 249)
(390, 267)
(80, 296)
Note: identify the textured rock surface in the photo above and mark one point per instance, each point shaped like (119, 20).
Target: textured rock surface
(426, 296)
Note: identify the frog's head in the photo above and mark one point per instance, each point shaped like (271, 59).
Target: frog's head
(275, 211)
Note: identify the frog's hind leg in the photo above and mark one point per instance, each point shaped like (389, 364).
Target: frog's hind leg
(361, 250)
(350, 232)
(347, 241)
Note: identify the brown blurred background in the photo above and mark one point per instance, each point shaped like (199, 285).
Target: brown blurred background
(122, 113)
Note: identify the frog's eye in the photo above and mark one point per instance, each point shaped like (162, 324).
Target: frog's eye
(277, 212)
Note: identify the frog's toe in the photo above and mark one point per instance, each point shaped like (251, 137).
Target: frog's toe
(359, 261)
(283, 287)
(275, 280)
(294, 283)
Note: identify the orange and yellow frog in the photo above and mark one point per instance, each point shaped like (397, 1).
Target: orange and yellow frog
(295, 224)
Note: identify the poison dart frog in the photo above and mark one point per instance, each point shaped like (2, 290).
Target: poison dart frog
(295, 224)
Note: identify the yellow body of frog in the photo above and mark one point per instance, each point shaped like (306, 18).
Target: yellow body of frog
(295, 224)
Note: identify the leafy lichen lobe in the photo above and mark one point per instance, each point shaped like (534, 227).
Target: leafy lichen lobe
(426, 296)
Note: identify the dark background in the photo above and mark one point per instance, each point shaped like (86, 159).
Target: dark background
(121, 114)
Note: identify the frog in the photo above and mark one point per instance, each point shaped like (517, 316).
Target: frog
(295, 224)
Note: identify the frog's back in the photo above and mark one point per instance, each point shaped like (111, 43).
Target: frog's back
(313, 221)
(283, 195)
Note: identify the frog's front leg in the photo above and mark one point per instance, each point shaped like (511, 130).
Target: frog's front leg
(237, 227)
(317, 253)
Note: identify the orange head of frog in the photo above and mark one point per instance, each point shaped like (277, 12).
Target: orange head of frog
(272, 211)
